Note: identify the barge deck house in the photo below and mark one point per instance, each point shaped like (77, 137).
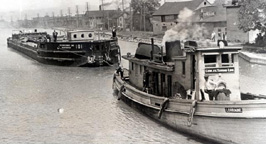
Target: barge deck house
(194, 90)
(76, 48)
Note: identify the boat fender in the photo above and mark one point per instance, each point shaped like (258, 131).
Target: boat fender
(122, 89)
(163, 107)
(191, 113)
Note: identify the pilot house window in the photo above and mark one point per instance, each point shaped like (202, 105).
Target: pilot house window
(225, 58)
(74, 36)
(210, 60)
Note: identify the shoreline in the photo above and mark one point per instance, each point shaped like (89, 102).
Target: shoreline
(249, 53)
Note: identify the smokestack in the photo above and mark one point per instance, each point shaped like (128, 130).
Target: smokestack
(152, 48)
(173, 49)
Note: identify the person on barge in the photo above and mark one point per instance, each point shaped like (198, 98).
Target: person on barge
(55, 35)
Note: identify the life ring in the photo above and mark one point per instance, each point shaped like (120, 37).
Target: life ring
(221, 83)
(119, 95)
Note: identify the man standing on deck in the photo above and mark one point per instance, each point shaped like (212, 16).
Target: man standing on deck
(210, 88)
(114, 32)
(55, 35)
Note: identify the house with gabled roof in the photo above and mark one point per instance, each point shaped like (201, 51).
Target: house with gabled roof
(212, 15)
(166, 16)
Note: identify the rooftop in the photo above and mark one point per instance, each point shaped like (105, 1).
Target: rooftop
(170, 8)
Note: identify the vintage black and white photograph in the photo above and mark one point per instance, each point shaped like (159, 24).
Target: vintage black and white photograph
(133, 72)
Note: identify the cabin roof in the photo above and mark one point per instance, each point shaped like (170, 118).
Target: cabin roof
(227, 48)
(75, 31)
(146, 62)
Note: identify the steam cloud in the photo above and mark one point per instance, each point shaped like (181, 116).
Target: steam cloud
(186, 30)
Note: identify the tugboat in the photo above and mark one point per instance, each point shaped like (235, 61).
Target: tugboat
(76, 48)
(193, 89)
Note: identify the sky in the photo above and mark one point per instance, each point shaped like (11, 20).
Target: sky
(18, 9)
(10, 5)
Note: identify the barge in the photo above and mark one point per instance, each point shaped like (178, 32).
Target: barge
(76, 48)
(194, 90)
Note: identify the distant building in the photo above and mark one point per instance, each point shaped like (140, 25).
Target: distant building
(213, 16)
(166, 16)
(123, 20)
(101, 19)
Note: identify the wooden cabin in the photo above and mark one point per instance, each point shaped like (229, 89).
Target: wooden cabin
(80, 35)
(179, 71)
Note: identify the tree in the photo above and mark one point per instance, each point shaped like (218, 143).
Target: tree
(251, 15)
(143, 9)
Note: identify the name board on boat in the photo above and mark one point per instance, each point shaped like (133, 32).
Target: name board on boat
(233, 110)
(65, 46)
(219, 70)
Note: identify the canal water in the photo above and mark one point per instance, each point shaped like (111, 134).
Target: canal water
(31, 95)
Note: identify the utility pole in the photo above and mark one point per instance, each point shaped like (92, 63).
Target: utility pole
(69, 13)
(26, 20)
(140, 18)
(87, 6)
(53, 19)
(131, 16)
(77, 7)
(144, 19)
(103, 19)
(87, 22)
(38, 19)
(123, 10)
